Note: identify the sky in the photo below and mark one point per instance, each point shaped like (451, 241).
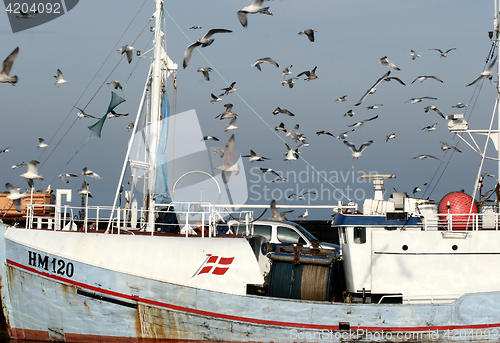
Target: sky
(351, 37)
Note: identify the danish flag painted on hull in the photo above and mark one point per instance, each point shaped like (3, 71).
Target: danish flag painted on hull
(214, 264)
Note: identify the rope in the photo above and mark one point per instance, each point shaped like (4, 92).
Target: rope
(255, 112)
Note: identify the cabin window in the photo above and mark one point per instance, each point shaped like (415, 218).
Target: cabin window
(288, 235)
(262, 230)
(360, 235)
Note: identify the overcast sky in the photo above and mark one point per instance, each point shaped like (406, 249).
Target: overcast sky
(351, 37)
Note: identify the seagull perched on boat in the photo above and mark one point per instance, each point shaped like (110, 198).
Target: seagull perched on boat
(254, 157)
(32, 173)
(356, 153)
(207, 138)
(488, 73)
(228, 166)
(228, 113)
(15, 196)
(255, 7)
(205, 72)
(85, 190)
(290, 154)
(230, 89)
(373, 88)
(435, 109)
(90, 173)
(309, 33)
(129, 50)
(421, 157)
(41, 143)
(277, 215)
(279, 110)
(287, 71)
(430, 127)
(82, 114)
(232, 125)
(65, 177)
(415, 100)
(262, 60)
(300, 196)
(341, 99)
(116, 84)
(7, 67)
(6, 149)
(324, 132)
(289, 82)
(384, 61)
(311, 75)
(59, 78)
(446, 146)
(443, 54)
(203, 42)
(422, 78)
(390, 136)
(280, 127)
(414, 55)
(360, 123)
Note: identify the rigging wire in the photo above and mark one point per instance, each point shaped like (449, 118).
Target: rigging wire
(255, 112)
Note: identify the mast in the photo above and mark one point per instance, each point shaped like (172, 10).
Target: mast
(496, 40)
(155, 114)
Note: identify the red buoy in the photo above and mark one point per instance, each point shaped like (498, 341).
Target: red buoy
(457, 203)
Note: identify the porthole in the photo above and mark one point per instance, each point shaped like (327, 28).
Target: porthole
(454, 247)
(405, 247)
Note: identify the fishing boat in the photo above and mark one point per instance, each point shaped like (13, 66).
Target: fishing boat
(405, 270)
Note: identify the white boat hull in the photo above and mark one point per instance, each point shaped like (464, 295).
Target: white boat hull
(83, 302)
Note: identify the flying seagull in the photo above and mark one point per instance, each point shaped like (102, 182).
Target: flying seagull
(487, 73)
(324, 132)
(85, 190)
(435, 109)
(130, 126)
(59, 78)
(418, 189)
(304, 215)
(356, 153)
(311, 75)
(232, 124)
(390, 136)
(290, 154)
(300, 196)
(262, 60)
(384, 61)
(279, 110)
(373, 88)
(270, 170)
(215, 98)
(446, 146)
(15, 196)
(6, 68)
(32, 173)
(280, 127)
(129, 50)
(115, 84)
(443, 54)
(421, 157)
(229, 89)
(41, 143)
(205, 72)
(207, 138)
(82, 114)
(349, 113)
(228, 166)
(65, 177)
(203, 42)
(460, 105)
(254, 157)
(255, 7)
(228, 113)
(195, 27)
(6, 149)
(309, 33)
(25, 15)
(374, 107)
(343, 135)
(359, 123)
(414, 55)
(422, 78)
(287, 71)
(415, 100)
(19, 165)
(277, 215)
(90, 173)
(341, 99)
(430, 127)
(289, 82)
(113, 114)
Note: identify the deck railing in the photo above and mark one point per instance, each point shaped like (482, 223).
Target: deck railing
(461, 222)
